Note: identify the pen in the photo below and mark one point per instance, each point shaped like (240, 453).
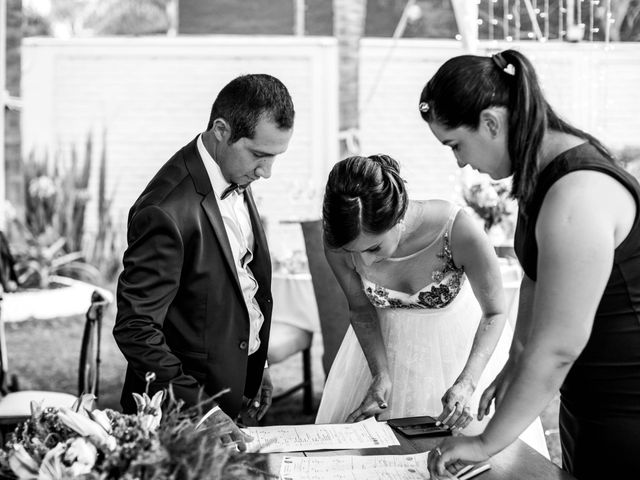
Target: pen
(475, 472)
(465, 470)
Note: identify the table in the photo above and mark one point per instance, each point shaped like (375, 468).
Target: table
(517, 461)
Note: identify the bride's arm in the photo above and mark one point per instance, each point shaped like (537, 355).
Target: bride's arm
(472, 250)
(364, 320)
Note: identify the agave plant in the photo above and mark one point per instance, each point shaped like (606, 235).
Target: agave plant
(51, 239)
(40, 257)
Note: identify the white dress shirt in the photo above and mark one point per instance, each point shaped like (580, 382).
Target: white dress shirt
(237, 224)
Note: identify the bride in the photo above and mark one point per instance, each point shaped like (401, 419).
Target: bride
(427, 308)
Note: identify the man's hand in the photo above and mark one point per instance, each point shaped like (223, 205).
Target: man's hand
(227, 431)
(375, 402)
(259, 404)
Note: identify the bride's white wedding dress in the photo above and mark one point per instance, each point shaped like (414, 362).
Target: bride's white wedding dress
(428, 336)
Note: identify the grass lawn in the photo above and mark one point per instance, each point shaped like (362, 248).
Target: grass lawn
(45, 355)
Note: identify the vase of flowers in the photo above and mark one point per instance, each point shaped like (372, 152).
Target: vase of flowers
(491, 201)
(91, 444)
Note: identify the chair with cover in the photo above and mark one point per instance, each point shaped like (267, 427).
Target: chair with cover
(333, 309)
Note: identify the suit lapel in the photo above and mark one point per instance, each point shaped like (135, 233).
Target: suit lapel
(210, 206)
(202, 184)
(261, 263)
(262, 259)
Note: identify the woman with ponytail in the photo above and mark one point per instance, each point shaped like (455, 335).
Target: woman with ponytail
(419, 340)
(578, 241)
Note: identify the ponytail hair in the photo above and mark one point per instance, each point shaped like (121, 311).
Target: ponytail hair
(466, 85)
(363, 194)
(527, 123)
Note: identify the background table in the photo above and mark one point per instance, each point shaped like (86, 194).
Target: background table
(294, 302)
(517, 461)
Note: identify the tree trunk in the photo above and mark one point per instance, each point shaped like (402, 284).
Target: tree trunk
(348, 28)
(14, 176)
(619, 10)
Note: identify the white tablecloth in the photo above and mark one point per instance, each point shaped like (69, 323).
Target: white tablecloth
(294, 301)
(511, 279)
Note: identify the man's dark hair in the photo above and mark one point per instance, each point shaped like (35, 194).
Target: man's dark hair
(244, 100)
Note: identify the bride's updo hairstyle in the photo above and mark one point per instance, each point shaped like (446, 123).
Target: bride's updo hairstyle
(363, 194)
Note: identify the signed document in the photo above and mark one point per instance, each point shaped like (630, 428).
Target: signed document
(348, 467)
(368, 433)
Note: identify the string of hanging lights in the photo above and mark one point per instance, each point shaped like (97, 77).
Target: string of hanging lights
(535, 16)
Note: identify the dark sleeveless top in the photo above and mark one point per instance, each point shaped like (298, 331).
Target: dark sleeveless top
(605, 379)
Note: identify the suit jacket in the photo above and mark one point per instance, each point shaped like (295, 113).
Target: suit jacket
(181, 313)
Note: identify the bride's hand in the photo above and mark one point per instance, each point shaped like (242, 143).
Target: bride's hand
(456, 412)
(375, 402)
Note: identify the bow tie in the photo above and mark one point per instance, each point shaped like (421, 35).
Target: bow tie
(234, 187)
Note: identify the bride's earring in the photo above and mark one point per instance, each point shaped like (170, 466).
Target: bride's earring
(401, 226)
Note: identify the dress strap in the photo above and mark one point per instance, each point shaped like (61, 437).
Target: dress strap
(452, 216)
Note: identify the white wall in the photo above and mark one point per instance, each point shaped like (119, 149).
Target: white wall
(595, 88)
(153, 95)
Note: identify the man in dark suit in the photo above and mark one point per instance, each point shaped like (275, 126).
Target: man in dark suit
(194, 299)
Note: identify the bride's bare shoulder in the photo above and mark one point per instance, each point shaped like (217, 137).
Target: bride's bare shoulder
(429, 218)
(433, 212)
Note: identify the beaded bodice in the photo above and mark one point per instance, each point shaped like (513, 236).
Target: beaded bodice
(446, 284)
(446, 278)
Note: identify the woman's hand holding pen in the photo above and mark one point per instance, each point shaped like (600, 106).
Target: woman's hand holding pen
(455, 454)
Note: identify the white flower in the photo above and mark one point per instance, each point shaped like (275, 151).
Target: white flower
(80, 455)
(84, 403)
(510, 206)
(51, 467)
(149, 410)
(101, 419)
(77, 452)
(22, 464)
(87, 428)
(42, 187)
(488, 196)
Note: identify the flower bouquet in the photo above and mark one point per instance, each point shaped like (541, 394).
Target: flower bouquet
(87, 443)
